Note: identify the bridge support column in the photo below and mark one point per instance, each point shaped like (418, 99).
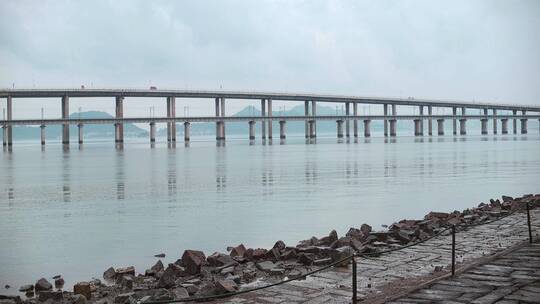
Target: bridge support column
(504, 126)
(312, 129)
(494, 121)
(484, 121)
(367, 129)
(454, 123)
(171, 113)
(222, 115)
(523, 126)
(462, 126)
(440, 126)
(119, 114)
(430, 121)
(263, 123)
(9, 129)
(314, 113)
(417, 127)
(217, 115)
(421, 111)
(385, 110)
(347, 113)
(187, 131)
(42, 131)
(306, 114)
(339, 128)
(4, 135)
(80, 126)
(514, 122)
(282, 129)
(65, 115)
(152, 132)
(251, 130)
(269, 101)
(220, 135)
(355, 121)
(393, 128)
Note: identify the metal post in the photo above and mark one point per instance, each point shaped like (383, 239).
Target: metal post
(529, 223)
(453, 250)
(354, 281)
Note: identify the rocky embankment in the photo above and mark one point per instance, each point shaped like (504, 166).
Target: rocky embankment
(198, 275)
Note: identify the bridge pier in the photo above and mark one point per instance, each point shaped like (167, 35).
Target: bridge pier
(430, 122)
(454, 123)
(4, 135)
(269, 101)
(119, 129)
(220, 135)
(217, 115)
(306, 114)
(314, 113)
(367, 131)
(421, 111)
(80, 126)
(440, 126)
(152, 132)
(263, 123)
(42, 131)
(355, 121)
(171, 113)
(385, 110)
(251, 130)
(9, 129)
(65, 115)
(393, 128)
(523, 126)
(504, 126)
(187, 131)
(222, 115)
(494, 121)
(282, 129)
(462, 126)
(339, 128)
(312, 129)
(514, 112)
(417, 127)
(483, 122)
(347, 113)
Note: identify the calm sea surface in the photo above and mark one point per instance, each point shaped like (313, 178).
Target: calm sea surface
(77, 212)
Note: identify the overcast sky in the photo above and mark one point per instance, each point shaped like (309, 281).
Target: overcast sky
(481, 50)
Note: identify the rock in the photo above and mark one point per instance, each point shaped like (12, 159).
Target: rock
(123, 297)
(26, 288)
(327, 240)
(289, 254)
(365, 229)
(126, 281)
(45, 295)
(322, 262)
(273, 254)
(78, 299)
(305, 258)
(109, 274)
(158, 267)
(236, 278)
(266, 266)
(207, 289)
(83, 288)
(438, 268)
(160, 255)
(42, 284)
(130, 270)
(439, 215)
(218, 259)
(168, 278)
(277, 271)
(279, 245)
(342, 253)
(355, 234)
(227, 270)
(59, 283)
(192, 260)
(180, 293)
(294, 273)
(191, 289)
(343, 241)
(507, 198)
(226, 286)
(238, 251)
(257, 254)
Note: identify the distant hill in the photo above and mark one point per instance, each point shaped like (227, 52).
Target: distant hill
(89, 130)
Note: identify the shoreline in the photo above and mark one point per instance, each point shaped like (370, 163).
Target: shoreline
(195, 274)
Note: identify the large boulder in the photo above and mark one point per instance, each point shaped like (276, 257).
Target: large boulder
(109, 274)
(366, 229)
(280, 245)
(328, 240)
(218, 259)
(157, 268)
(266, 266)
(49, 294)
(83, 288)
(238, 251)
(226, 286)
(42, 285)
(168, 278)
(193, 260)
(130, 270)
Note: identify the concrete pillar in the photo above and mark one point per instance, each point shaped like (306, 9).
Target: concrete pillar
(355, 121)
(152, 132)
(514, 123)
(116, 133)
(173, 115)
(269, 101)
(306, 114)
(9, 116)
(217, 115)
(42, 129)
(65, 115)
(421, 111)
(347, 113)
(282, 129)
(251, 130)
(314, 113)
(367, 129)
(220, 135)
(385, 108)
(523, 125)
(393, 128)
(462, 126)
(440, 126)
(80, 126)
(263, 123)
(119, 129)
(504, 126)
(4, 135)
(187, 131)
(417, 127)
(454, 124)
(494, 121)
(311, 129)
(430, 121)
(222, 115)
(484, 121)
(339, 128)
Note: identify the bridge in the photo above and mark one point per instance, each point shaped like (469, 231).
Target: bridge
(310, 116)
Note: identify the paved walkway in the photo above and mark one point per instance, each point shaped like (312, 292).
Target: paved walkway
(512, 278)
(401, 270)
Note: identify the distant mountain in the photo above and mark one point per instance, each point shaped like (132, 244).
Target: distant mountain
(89, 130)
